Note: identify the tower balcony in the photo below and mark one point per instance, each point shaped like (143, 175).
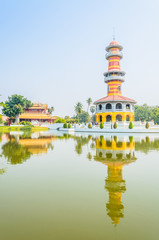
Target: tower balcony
(113, 54)
(111, 77)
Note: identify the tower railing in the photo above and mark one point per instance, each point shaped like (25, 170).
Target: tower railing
(109, 78)
(110, 54)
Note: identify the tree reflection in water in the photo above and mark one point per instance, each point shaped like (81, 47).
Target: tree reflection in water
(15, 153)
(20, 148)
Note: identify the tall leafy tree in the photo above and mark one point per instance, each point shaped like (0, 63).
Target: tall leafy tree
(84, 117)
(89, 102)
(78, 108)
(15, 105)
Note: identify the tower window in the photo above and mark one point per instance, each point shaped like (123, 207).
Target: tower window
(100, 107)
(127, 106)
(108, 106)
(119, 88)
(118, 106)
(108, 88)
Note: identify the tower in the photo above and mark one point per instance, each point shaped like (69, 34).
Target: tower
(114, 76)
(114, 107)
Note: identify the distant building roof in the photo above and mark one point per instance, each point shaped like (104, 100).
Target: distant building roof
(35, 116)
(39, 106)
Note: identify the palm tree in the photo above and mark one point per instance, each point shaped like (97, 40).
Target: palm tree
(89, 101)
(78, 108)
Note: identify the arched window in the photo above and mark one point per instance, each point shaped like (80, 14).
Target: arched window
(127, 106)
(118, 106)
(118, 118)
(108, 118)
(108, 88)
(119, 88)
(100, 106)
(108, 106)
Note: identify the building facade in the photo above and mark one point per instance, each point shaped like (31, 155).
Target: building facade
(37, 114)
(114, 107)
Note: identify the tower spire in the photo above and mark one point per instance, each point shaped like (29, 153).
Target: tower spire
(113, 33)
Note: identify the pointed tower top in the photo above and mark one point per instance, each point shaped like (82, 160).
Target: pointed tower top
(113, 33)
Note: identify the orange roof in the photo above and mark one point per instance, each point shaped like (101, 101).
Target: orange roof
(114, 43)
(39, 106)
(35, 116)
(115, 98)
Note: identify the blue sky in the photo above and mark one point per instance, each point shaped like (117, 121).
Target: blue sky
(54, 51)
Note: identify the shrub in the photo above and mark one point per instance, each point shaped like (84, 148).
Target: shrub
(89, 125)
(65, 125)
(5, 123)
(23, 122)
(1, 120)
(130, 125)
(101, 125)
(69, 125)
(115, 125)
(60, 120)
(26, 128)
(147, 125)
(28, 123)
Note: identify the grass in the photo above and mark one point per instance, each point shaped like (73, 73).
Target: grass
(6, 129)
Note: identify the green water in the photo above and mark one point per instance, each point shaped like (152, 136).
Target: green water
(60, 186)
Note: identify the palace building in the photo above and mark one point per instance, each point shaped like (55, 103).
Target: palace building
(37, 114)
(114, 107)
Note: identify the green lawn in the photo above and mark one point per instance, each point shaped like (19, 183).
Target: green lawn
(20, 128)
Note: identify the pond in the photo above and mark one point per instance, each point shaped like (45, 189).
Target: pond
(61, 186)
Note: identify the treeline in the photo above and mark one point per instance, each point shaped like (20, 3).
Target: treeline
(147, 113)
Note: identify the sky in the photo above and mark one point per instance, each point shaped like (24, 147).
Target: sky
(54, 51)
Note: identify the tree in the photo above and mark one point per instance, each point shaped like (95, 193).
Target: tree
(83, 117)
(15, 106)
(115, 125)
(78, 108)
(51, 110)
(65, 125)
(89, 125)
(89, 101)
(147, 125)
(130, 125)
(101, 125)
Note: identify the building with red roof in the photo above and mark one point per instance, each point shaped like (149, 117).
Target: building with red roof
(114, 107)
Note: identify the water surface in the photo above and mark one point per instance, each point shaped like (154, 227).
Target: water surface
(60, 186)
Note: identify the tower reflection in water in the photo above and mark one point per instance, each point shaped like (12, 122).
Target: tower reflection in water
(115, 153)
